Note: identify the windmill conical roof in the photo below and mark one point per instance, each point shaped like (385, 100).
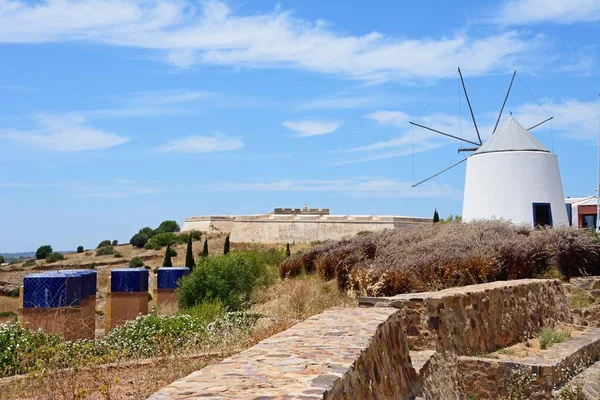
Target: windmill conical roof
(512, 136)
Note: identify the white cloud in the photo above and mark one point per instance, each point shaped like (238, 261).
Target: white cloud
(203, 144)
(210, 33)
(352, 187)
(572, 118)
(557, 11)
(312, 127)
(64, 133)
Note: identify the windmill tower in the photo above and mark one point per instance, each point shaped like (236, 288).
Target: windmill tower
(511, 176)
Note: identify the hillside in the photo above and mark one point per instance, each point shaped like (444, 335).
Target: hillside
(11, 276)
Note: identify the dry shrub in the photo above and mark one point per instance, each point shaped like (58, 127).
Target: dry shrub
(294, 300)
(433, 257)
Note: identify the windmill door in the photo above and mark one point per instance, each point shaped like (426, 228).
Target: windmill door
(542, 214)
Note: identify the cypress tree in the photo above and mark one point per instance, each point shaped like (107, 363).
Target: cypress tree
(288, 253)
(205, 249)
(436, 216)
(189, 255)
(226, 246)
(167, 261)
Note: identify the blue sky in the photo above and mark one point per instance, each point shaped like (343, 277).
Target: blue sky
(116, 115)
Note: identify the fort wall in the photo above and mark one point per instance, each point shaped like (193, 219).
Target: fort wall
(295, 228)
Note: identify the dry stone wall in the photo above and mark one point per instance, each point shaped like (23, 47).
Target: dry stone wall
(343, 353)
(480, 318)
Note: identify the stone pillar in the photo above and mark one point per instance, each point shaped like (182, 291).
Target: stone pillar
(128, 296)
(166, 282)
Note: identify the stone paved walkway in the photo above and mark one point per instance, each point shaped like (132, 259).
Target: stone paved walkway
(360, 352)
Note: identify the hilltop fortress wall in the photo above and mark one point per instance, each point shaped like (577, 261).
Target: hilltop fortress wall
(295, 227)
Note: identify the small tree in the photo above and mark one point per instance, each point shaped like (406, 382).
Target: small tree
(115, 242)
(189, 254)
(80, 249)
(204, 252)
(2, 259)
(226, 246)
(436, 216)
(139, 240)
(104, 243)
(167, 261)
(43, 251)
(167, 226)
(288, 253)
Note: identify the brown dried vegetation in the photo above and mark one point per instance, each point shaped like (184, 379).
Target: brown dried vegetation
(433, 257)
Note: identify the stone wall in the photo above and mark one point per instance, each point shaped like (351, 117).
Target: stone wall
(307, 229)
(343, 353)
(480, 318)
(295, 228)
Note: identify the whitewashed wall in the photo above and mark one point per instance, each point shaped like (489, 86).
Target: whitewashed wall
(506, 184)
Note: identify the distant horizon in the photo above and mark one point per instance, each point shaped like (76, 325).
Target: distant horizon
(105, 131)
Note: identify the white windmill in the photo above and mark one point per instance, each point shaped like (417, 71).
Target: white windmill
(511, 176)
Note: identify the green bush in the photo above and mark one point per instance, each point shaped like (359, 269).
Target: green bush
(226, 246)
(2, 259)
(43, 251)
(147, 231)
(104, 243)
(19, 345)
(136, 262)
(231, 279)
(207, 311)
(115, 243)
(118, 255)
(139, 240)
(29, 263)
(548, 337)
(80, 249)
(195, 235)
(167, 226)
(54, 257)
(105, 251)
(14, 292)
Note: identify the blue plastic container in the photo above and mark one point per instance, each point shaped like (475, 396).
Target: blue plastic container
(88, 282)
(129, 280)
(51, 290)
(168, 278)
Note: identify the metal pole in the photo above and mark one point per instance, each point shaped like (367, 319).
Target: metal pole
(598, 194)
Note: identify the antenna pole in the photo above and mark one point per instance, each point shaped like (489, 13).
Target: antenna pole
(543, 122)
(505, 98)
(442, 133)
(469, 104)
(439, 173)
(598, 194)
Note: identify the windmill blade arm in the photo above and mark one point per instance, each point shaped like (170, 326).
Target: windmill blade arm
(543, 122)
(470, 108)
(442, 133)
(439, 173)
(505, 98)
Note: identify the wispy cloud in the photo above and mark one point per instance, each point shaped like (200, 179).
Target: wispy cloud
(351, 187)
(557, 11)
(113, 191)
(211, 33)
(312, 127)
(203, 144)
(572, 118)
(64, 133)
(410, 140)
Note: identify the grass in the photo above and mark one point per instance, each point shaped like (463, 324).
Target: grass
(549, 337)
(579, 298)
